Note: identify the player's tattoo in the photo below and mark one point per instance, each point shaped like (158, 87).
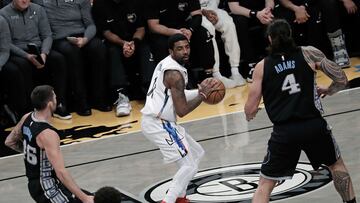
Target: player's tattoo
(342, 184)
(330, 68)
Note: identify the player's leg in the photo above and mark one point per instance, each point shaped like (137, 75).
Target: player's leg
(342, 181)
(187, 170)
(323, 149)
(262, 193)
(279, 163)
(197, 153)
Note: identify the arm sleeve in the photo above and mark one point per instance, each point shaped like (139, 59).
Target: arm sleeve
(195, 22)
(45, 32)
(90, 28)
(99, 15)
(5, 40)
(18, 51)
(152, 9)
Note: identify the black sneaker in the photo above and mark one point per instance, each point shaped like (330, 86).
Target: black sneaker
(85, 111)
(62, 113)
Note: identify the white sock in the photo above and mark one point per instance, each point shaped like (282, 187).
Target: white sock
(235, 71)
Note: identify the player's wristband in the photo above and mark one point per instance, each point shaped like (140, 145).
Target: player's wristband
(203, 95)
(252, 14)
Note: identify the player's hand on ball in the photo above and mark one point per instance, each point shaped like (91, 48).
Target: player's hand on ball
(206, 87)
(215, 91)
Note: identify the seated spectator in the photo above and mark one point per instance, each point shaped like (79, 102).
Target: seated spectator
(122, 25)
(166, 18)
(28, 23)
(311, 13)
(218, 19)
(107, 194)
(350, 22)
(5, 41)
(74, 36)
(249, 14)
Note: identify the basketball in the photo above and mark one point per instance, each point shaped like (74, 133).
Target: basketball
(218, 94)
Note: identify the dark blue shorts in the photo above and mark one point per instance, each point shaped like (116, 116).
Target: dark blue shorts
(312, 136)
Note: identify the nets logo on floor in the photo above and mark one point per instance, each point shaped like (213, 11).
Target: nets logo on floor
(238, 183)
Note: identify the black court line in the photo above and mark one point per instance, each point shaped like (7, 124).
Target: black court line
(156, 149)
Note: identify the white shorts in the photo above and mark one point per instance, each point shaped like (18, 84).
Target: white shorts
(172, 140)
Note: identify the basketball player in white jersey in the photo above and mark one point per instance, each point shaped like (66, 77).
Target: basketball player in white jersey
(214, 19)
(166, 99)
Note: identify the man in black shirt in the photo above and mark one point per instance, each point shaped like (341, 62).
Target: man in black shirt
(286, 81)
(122, 25)
(48, 179)
(168, 17)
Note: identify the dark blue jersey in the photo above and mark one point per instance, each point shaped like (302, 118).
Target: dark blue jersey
(43, 182)
(289, 88)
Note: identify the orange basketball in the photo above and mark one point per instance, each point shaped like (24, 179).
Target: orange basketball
(218, 94)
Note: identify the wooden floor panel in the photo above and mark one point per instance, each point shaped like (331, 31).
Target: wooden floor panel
(233, 102)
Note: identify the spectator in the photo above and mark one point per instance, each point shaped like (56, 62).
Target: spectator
(5, 40)
(166, 18)
(28, 24)
(350, 22)
(107, 194)
(74, 36)
(122, 25)
(312, 13)
(218, 19)
(248, 14)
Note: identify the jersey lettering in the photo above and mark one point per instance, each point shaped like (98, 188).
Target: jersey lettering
(290, 84)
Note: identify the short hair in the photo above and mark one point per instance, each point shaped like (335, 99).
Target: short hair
(41, 95)
(175, 38)
(107, 194)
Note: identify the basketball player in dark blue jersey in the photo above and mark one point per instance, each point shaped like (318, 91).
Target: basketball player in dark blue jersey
(286, 81)
(48, 179)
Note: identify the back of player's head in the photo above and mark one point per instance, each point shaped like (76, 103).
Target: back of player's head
(279, 32)
(175, 38)
(41, 95)
(107, 194)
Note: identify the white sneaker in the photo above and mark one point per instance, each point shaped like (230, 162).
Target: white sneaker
(239, 80)
(227, 82)
(123, 106)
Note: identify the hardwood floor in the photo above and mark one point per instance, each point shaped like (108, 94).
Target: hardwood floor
(233, 102)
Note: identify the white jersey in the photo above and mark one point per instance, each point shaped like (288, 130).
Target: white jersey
(159, 103)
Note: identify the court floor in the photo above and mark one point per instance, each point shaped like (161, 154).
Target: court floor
(104, 150)
(228, 172)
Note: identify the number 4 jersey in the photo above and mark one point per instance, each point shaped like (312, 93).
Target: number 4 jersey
(289, 88)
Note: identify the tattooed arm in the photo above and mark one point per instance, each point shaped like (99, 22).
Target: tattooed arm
(14, 139)
(318, 61)
(174, 81)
